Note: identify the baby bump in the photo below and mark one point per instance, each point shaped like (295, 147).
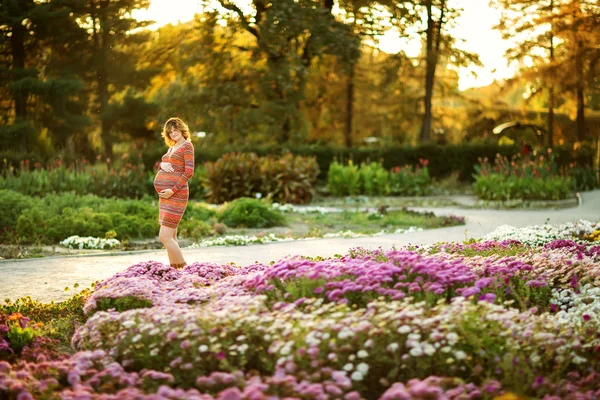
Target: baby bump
(165, 180)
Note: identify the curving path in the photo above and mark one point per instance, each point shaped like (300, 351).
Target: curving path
(45, 279)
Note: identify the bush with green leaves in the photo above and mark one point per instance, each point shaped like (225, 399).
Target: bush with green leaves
(251, 213)
(411, 180)
(524, 178)
(56, 217)
(285, 179)
(374, 179)
(343, 180)
(12, 205)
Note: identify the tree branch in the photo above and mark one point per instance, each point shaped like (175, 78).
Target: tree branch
(238, 11)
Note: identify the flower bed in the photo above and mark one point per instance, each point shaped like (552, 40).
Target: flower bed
(502, 318)
(76, 242)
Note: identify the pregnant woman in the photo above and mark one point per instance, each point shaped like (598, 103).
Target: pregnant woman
(171, 184)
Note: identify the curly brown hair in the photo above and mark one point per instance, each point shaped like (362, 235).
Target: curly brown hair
(175, 123)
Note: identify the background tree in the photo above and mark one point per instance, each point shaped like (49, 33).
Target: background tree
(112, 49)
(287, 36)
(533, 25)
(578, 28)
(38, 47)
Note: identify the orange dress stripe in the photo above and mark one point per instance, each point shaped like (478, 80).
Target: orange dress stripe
(182, 160)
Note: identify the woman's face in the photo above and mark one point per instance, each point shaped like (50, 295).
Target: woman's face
(175, 134)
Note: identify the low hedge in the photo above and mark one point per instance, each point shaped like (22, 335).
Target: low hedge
(443, 159)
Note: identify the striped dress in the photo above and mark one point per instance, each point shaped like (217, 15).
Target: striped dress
(182, 161)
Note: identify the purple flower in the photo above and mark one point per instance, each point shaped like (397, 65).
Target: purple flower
(470, 291)
(491, 297)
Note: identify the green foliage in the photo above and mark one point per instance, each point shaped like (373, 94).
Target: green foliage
(103, 180)
(410, 181)
(251, 213)
(583, 178)
(57, 320)
(502, 187)
(12, 205)
(288, 179)
(19, 337)
(121, 304)
(56, 217)
(194, 229)
(233, 176)
(343, 180)
(372, 179)
(283, 179)
(523, 178)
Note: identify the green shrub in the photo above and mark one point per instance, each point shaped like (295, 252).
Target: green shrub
(344, 180)
(583, 178)
(525, 178)
(12, 205)
(199, 212)
(410, 181)
(286, 179)
(57, 217)
(121, 304)
(104, 180)
(335, 179)
(503, 187)
(374, 179)
(233, 176)
(251, 213)
(194, 229)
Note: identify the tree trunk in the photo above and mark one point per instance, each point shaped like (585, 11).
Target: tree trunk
(580, 93)
(429, 75)
(434, 33)
(17, 42)
(101, 44)
(551, 116)
(349, 107)
(551, 88)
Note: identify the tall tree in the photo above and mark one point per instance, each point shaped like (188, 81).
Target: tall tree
(36, 35)
(110, 26)
(432, 19)
(533, 25)
(358, 15)
(578, 27)
(288, 35)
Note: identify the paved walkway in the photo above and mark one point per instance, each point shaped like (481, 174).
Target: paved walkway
(45, 279)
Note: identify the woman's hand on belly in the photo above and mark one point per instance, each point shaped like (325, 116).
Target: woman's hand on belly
(166, 166)
(165, 194)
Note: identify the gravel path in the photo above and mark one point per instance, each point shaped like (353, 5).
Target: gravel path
(45, 279)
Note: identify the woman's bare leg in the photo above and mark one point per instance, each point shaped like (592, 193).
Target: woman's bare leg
(166, 236)
(175, 235)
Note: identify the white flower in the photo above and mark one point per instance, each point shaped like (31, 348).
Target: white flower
(362, 354)
(392, 347)
(348, 367)
(203, 348)
(404, 329)
(460, 355)
(363, 368)
(452, 338)
(356, 376)
(429, 349)
(416, 352)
